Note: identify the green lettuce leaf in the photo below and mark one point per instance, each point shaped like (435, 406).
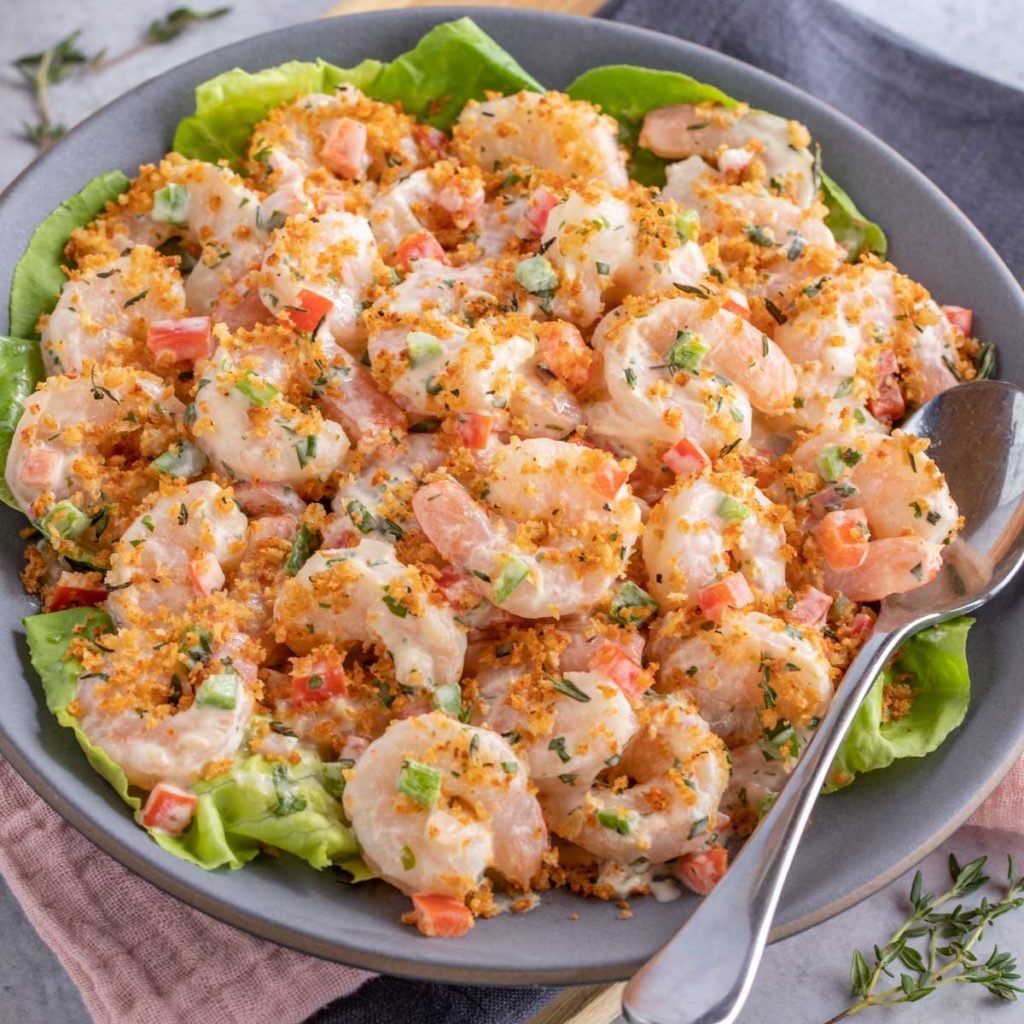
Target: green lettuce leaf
(451, 64)
(934, 665)
(21, 368)
(49, 636)
(851, 228)
(38, 277)
(230, 105)
(259, 803)
(254, 805)
(627, 93)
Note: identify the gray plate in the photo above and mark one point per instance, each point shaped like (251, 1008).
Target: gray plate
(860, 839)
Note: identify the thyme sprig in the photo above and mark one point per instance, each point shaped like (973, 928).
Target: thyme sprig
(57, 63)
(936, 947)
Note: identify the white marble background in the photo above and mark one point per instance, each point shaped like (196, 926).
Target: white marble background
(803, 979)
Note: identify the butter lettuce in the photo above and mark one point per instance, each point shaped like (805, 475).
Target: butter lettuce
(934, 665)
(49, 636)
(21, 368)
(451, 64)
(38, 277)
(262, 803)
(256, 804)
(627, 93)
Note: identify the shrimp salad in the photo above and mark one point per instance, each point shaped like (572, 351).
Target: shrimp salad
(511, 518)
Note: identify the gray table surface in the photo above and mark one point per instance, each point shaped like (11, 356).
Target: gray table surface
(804, 979)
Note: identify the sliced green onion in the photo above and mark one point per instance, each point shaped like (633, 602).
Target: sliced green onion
(422, 348)
(218, 691)
(259, 392)
(558, 746)
(305, 450)
(408, 858)
(830, 463)
(170, 205)
(621, 824)
(334, 776)
(448, 698)
(395, 606)
(687, 225)
(66, 519)
(288, 801)
(183, 459)
(420, 782)
(631, 605)
(730, 508)
(303, 546)
(570, 689)
(698, 828)
(687, 353)
(536, 275)
(513, 572)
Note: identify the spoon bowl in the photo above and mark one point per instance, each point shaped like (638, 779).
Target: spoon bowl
(976, 434)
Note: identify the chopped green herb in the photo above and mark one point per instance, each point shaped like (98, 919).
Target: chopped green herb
(512, 573)
(558, 746)
(303, 546)
(631, 605)
(420, 782)
(686, 354)
(170, 205)
(570, 689)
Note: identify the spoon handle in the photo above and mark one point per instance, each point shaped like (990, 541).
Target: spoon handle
(704, 974)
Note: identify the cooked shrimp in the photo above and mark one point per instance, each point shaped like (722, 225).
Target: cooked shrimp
(179, 548)
(839, 330)
(707, 527)
(890, 476)
(566, 725)
(436, 804)
(551, 535)
(605, 245)
(364, 595)
(105, 309)
(61, 448)
(662, 798)
(331, 255)
(444, 199)
(677, 367)
(246, 423)
(340, 136)
(548, 130)
(733, 136)
(130, 711)
(746, 674)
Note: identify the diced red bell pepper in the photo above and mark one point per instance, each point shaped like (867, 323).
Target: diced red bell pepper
(686, 458)
(542, 202)
(734, 307)
(169, 809)
(628, 675)
(433, 140)
(475, 429)
(420, 246)
(206, 573)
(888, 405)
(39, 467)
(321, 683)
(702, 871)
(561, 348)
(960, 317)
(811, 608)
(187, 339)
(77, 589)
(861, 624)
(731, 591)
(609, 478)
(439, 917)
(306, 314)
(843, 537)
(344, 149)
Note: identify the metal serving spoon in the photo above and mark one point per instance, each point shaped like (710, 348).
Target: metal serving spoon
(705, 972)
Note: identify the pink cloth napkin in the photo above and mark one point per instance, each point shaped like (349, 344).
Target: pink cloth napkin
(139, 956)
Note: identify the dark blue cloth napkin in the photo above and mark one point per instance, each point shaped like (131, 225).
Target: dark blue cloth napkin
(966, 132)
